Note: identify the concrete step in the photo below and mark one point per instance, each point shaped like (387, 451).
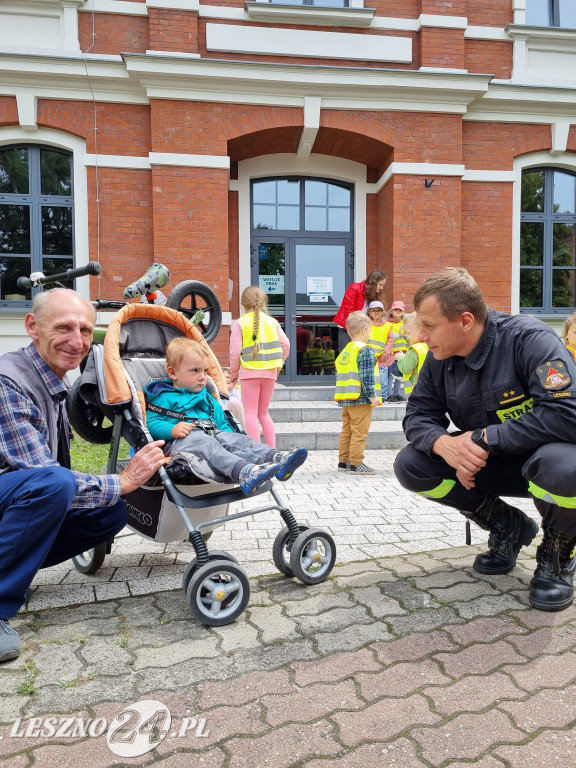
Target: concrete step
(324, 435)
(283, 393)
(322, 410)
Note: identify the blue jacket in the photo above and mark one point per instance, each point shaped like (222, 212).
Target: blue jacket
(519, 382)
(199, 405)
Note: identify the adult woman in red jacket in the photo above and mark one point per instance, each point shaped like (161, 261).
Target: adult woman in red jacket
(359, 295)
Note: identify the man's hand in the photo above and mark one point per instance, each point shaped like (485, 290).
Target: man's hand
(182, 429)
(142, 466)
(461, 453)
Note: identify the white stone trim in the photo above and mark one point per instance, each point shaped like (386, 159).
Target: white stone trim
(115, 6)
(118, 161)
(26, 104)
(233, 38)
(291, 165)
(272, 13)
(190, 161)
(443, 22)
(560, 131)
(417, 169)
(312, 106)
(489, 176)
(486, 33)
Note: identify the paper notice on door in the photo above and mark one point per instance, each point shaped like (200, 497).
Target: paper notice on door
(272, 284)
(319, 286)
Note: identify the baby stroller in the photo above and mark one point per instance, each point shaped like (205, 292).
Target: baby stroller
(113, 381)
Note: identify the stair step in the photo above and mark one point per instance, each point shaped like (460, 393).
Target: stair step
(324, 435)
(298, 394)
(321, 410)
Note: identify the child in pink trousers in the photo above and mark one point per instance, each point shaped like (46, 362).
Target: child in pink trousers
(258, 349)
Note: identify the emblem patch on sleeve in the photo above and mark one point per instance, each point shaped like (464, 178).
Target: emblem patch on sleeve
(553, 375)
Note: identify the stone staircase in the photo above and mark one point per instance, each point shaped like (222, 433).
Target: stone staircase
(309, 417)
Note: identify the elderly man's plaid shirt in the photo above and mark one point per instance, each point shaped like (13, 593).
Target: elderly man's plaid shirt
(24, 435)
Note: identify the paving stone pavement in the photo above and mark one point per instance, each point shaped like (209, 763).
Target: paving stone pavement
(403, 657)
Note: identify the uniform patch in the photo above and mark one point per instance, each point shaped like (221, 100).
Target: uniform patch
(553, 375)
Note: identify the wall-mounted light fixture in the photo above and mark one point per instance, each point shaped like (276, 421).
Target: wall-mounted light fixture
(428, 183)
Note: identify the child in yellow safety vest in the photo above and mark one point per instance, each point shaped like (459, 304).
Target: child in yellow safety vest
(411, 361)
(381, 341)
(316, 357)
(357, 391)
(396, 320)
(258, 349)
(329, 359)
(569, 334)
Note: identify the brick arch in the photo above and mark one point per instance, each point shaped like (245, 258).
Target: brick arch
(532, 138)
(77, 119)
(8, 111)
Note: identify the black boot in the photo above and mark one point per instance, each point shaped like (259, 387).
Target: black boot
(551, 586)
(510, 530)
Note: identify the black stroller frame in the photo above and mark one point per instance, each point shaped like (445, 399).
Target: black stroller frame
(216, 586)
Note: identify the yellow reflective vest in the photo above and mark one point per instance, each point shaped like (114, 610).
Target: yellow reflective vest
(379, 337)
(400, 343)
(269, 354)
(348, 384)
(421, 350)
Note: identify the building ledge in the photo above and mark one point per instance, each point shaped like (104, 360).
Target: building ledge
(309, 14)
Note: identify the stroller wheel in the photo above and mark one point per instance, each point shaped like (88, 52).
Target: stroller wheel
(281, 552)
(87, 420)
(214, 554)
(91, 560)
(193, 296)
(313, 556)
(218, 592)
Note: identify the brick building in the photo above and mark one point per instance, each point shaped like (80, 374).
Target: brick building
(299, 145)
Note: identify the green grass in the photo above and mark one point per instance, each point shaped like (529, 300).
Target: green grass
(90, 458)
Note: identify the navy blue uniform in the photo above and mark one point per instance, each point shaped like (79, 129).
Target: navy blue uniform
(520, 383)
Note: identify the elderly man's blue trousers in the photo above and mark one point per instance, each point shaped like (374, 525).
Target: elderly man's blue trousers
(38, 529)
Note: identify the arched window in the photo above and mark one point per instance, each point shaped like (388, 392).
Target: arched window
(547, 241)
(36, 216)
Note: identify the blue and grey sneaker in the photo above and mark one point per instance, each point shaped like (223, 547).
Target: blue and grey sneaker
(252, 476)
(289, 462)
(9, 642)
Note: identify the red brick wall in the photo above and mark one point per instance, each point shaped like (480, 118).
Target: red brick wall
(125, 223)
(113, 33)
(442, 47)
(489, 13)
(489, 57)
(384, 204)
(444, 7)
(487, 239)
(172, 30)
(191, 227)
(8, 110)
(493, 146)
(233, 254)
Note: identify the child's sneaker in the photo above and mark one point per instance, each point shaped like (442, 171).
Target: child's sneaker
(252, 476)
(289, 462)
(343, 466)
(362, 469)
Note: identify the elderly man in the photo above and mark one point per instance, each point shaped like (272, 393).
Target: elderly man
(47, 512)
(509, 385)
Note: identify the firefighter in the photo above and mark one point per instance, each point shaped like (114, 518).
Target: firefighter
(508, 384)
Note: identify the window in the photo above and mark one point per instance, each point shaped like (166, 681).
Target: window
(36, 216)
(301, 205)
(547, 241)
(551, 13)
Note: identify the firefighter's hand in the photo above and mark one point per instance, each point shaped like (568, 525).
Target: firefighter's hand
(460, 452)
(182, 429)
(143, 465)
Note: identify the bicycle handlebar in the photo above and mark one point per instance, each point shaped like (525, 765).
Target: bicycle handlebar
(37, 278)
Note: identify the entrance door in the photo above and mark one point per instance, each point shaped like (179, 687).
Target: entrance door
(305, 279)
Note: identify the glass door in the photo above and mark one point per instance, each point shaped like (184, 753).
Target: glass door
(305, 280)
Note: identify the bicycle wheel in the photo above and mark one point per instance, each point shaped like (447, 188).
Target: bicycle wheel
(191, 297)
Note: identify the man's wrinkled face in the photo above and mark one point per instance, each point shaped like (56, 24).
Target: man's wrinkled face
(444, 337)
(64, 333)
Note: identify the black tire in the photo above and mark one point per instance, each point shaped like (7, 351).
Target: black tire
(87, 420)
(192, 295)
(91, 560)
(281, 552)
(313, 556)
(214, 554)
(218, 592)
